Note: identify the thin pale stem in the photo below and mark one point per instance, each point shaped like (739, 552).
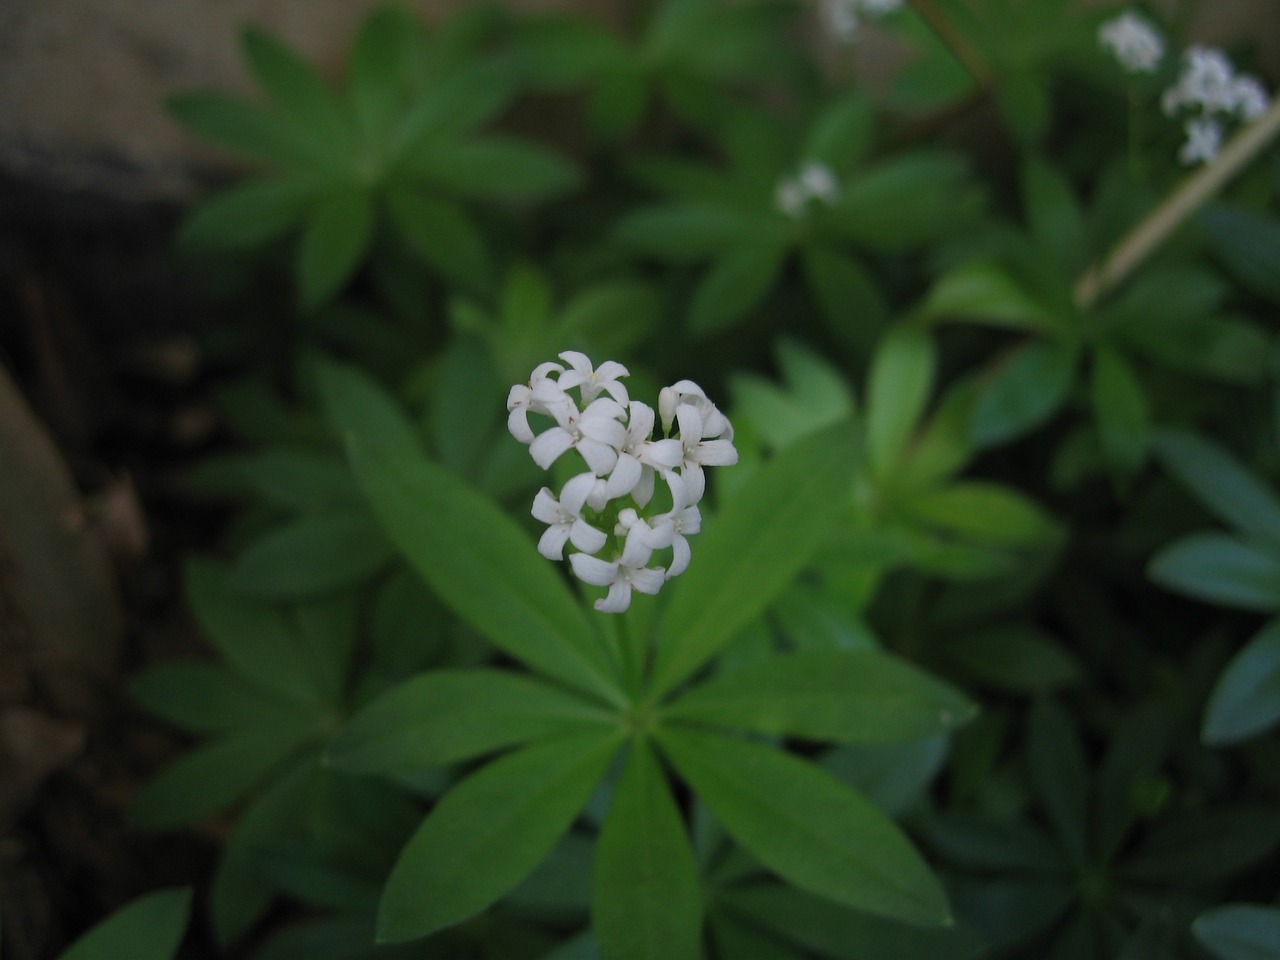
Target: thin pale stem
(1148, 235)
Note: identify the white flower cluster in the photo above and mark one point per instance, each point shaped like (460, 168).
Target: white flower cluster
(1133, 41)
(841, 17)
(1208, 90)
(599, 511)
(814, 181)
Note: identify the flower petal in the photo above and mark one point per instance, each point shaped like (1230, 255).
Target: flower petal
(717, 453)
(551, 545)
(647, 580)
(593, 570)
(625, 476)
(586, 537)
(547, 447)
(618, 600)
(545, 507)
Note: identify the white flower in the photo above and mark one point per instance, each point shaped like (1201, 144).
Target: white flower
(540, 396)
(593, 381)
(1204, 138)
(714, 423)
(671, 529)
(841, 17)
(1250, 96)
(814, 181)
(700, 452)
(564, 517)
(1207, 82)
(621, 576)
(1133, 42)
(595, 433)
(639, 456)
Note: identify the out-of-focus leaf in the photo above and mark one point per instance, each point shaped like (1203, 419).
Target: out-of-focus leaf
(1248, 244)
(1024, 392)
(149, 928)
(1240, 931)
(334, 241)
(814, 396)
(1222, 483)
(1246, 698)
(898, 387)
(1220, 569)
(313, 554)
(984, 292)
(1121, 407)
(736, 283)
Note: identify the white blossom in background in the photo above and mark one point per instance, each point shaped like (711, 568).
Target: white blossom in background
(814, 181)
(1207, 93)
(600, 512)
(841, 17)
(1133, 41)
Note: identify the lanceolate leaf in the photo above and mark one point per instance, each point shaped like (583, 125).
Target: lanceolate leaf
(750, 552)
(646, 898)
(807, 826)
(489, 832)
(898, 388)
(1221, 483)
(451, 715)
(1246, 699)
(149, 928)
(1060, 774)
(1220, 569)
(314, 554)
(1240, 931)
(736, 284)
(849, 696)
(334, 242)
(483, 566)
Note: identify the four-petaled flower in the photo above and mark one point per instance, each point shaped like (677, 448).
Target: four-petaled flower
(599, 512)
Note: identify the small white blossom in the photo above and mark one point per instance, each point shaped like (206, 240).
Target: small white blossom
(595, 433)
(593, 381)
(1251, 100)
(565, 520)
(814, 181)
(1133, 42)
(841, 17)
(599, 512)
(1204, 139)
(621, 576)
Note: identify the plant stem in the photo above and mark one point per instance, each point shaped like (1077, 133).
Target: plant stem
(954, 40)
(1148, 235)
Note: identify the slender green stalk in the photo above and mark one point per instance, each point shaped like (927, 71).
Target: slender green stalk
(1147, 236)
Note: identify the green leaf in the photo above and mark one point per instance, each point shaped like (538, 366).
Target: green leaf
(455, 105)
(355, 404)
(1054, 216)
(807, 827)
(1220, 569)
(1246, 698)
(210, 698)
(851, 302)
(441, 232)
(452, 715)
(297, 91)
(1025, 391)
(613, 317)
(248, 215)
(1060, 775)
(751, 551)
(1248, 243)
(676, 232)
(1018, 659)
(489, 832)
(1222, 483)
(381, 58)
(498, 168)
(248, 129)
(565, 51)
(815, 397)
(985, 511)
(983, 292)
(835, 931)
(1240, 931)
(314, 554)
(903, 202)
(743, 939)
(898, 387)
(842, 133)
(646, 898)
(334, 242)
(200, 783)
(738, 281)
(253, 636)
(892, 776)
(1204, 846)
(148, 928)
(473, 555)
(846, 696)
(1121, 408)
